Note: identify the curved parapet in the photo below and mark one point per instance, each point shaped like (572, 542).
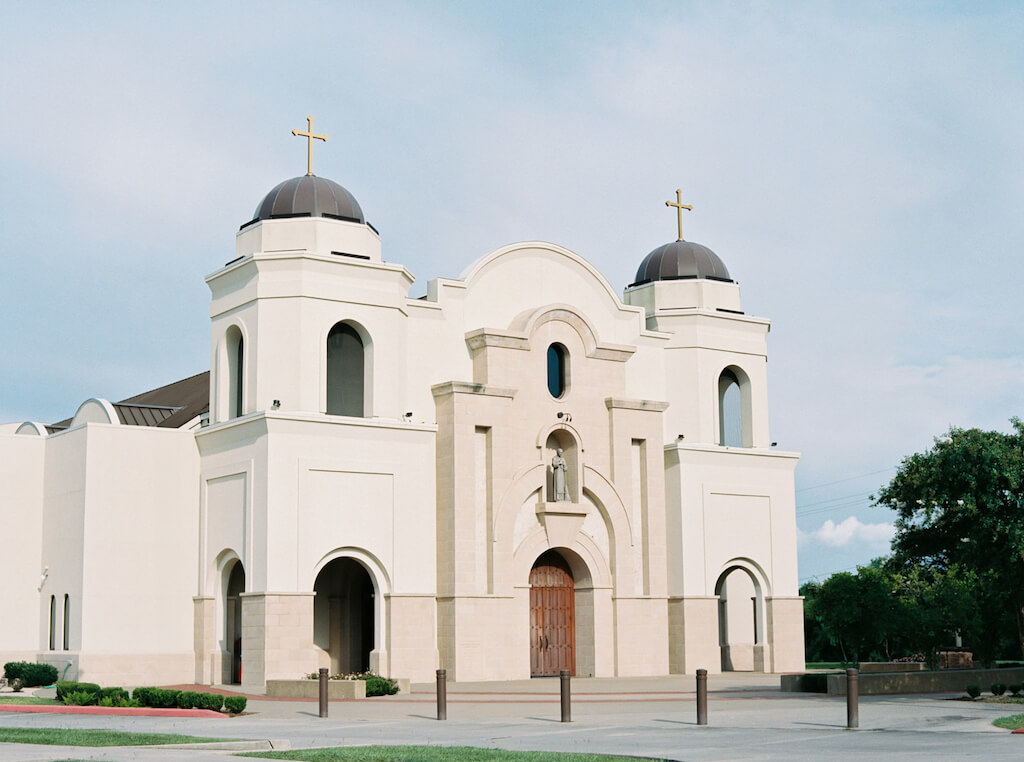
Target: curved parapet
(95, 410)
(32, 429)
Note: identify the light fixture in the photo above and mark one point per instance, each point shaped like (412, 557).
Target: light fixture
(566, 417)
(680, 437)
(775, 444)
(276, 404)
(408, 416)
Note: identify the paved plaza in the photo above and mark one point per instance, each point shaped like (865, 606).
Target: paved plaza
(749, 719)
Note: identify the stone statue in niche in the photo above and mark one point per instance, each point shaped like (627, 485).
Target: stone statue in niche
(558, 471)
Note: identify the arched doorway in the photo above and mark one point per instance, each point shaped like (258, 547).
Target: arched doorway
(343, 615)
(235, 574)
(552, 616)
(739, 621)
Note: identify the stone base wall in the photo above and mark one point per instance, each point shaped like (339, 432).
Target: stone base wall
(277, 637)
(881, 683)
(412, 643)
(642, 636)
(127, 670)
(785, 641)
(693, 635)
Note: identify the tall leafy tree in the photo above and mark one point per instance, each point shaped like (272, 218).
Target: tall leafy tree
(960, 508)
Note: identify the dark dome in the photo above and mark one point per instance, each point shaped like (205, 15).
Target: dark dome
(309, 196)
(681, 259)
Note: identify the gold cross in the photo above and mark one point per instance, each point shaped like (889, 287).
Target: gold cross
(310, 137)
(679, 205)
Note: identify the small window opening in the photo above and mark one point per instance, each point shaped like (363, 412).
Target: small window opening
(53, 622)
(67, 622)
(730, 410)
(558, 366)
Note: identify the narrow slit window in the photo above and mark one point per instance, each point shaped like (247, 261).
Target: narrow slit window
(53, 622)
(558, 370)
(67, 622)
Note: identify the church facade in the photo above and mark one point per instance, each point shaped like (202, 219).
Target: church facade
(519, 472)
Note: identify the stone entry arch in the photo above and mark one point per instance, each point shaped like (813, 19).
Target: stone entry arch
(740, 620)
(234, 586)
(344, 616)
(552, 616)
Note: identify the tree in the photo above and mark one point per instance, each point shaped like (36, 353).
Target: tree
(960, 508)
(858, 612)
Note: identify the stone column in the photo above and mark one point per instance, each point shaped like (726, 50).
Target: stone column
(204, 639)
(785, 637)
(693, 635)
(277, 637)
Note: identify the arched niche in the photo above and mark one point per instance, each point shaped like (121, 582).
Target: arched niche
(562, 439)
(741, 591)
(348, 370)
(733, 408)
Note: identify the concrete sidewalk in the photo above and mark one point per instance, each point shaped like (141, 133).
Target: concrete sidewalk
(749, 719)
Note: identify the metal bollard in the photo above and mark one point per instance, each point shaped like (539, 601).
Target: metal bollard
(852, 710)
(566, 707)
(442, 694)
(323, 691)
(702, 697)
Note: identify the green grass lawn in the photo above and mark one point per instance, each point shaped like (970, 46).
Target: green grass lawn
(27, 700)
(65, 737)
(1012, 722)
(430, 754)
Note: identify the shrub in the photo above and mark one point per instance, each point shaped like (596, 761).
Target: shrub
(80, 698)
(64, 687)
(162, 698)
(974, 691)
(188, 700)
(16, 685)
(118, 694)
(31, 674)
(998, 689)
(235, 704)
(211, 701)
(380, 686)
(1015, 688)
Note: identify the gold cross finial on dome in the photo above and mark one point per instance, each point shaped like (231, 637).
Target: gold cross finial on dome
(679, 205)
(310, 137)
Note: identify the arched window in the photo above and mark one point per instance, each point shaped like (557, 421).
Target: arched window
(346, 365)
(67, 621)
(734, 429)
(558, 370)
(236, 372)
(53, 622)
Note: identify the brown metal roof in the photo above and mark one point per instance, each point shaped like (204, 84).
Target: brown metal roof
(169, 407)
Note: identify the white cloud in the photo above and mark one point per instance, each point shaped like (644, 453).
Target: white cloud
(847, 531)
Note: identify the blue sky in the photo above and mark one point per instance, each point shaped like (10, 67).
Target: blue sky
(858, 167)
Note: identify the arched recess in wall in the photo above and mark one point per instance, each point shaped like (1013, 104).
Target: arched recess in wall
(734, 414)
(348, 370)
(349, 612)
(741, 589)
(233, 576)
(235, 348)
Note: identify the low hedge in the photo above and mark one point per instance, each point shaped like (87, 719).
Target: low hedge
(166, 698)
(30, 673)
(235, 704)
(64, 687)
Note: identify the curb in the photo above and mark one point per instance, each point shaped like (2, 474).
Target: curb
(124, 711)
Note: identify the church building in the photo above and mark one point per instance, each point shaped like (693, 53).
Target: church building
(517, 473)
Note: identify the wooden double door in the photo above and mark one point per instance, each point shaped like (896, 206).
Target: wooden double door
(552, 616)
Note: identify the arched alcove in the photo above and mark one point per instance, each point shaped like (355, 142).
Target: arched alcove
(233, 575)
(344, 615)
(347, 366)
(740, 619)
(235, 348)
(562, 439)
(733, 408)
